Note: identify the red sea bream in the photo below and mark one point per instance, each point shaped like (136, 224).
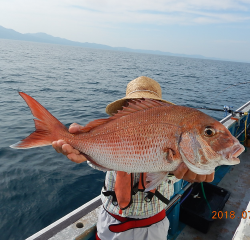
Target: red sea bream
(147, 136)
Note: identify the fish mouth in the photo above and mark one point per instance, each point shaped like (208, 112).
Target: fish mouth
(237, 151)
(231, 154)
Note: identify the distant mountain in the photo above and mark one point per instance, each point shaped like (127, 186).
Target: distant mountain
(45, 38)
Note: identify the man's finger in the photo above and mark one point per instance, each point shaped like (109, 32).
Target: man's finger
(210, 177)
(76, 158)
(180, 171)
(190, 176)
(54, 145)
(200, 178)
(67, 149)
(74, 128)
(57, 145)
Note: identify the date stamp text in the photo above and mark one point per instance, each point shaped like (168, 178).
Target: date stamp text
(231, 215)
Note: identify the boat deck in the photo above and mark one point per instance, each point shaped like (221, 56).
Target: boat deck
(237, 181)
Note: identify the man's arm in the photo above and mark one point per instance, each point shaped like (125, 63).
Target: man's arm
(182, 172)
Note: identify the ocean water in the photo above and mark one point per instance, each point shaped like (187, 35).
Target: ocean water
(38, 186)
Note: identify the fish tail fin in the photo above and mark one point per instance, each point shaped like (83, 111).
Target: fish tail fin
(47, 126)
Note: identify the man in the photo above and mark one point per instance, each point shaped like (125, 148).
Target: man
(145, 211)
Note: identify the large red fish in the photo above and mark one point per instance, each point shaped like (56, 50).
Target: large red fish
(147, 136)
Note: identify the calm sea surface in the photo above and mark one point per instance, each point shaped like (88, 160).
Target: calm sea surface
(39, 186)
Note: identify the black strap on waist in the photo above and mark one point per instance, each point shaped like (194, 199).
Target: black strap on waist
(111, 193)
(150, 195)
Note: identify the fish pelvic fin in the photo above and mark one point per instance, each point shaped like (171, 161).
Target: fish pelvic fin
(154, 179)
(47, 126)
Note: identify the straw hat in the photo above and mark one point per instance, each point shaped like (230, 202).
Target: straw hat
(141, 87)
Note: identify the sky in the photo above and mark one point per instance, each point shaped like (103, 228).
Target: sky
(212, 28)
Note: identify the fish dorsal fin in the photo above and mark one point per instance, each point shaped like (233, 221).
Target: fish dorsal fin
(134, 105)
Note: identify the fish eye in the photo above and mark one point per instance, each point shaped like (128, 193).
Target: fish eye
(209, 131)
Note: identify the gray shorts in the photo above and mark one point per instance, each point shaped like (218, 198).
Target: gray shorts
(157, 231)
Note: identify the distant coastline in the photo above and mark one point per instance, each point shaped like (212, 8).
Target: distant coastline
(45, 38)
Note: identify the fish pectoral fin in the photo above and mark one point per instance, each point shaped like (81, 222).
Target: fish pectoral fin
(154, 179)
(172, 155)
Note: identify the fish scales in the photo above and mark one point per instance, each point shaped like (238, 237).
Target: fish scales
(131, 144)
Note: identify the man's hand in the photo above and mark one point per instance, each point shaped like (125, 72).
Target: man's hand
(62, 147)
(182, 172)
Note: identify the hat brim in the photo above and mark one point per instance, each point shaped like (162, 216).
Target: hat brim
(113, 107)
